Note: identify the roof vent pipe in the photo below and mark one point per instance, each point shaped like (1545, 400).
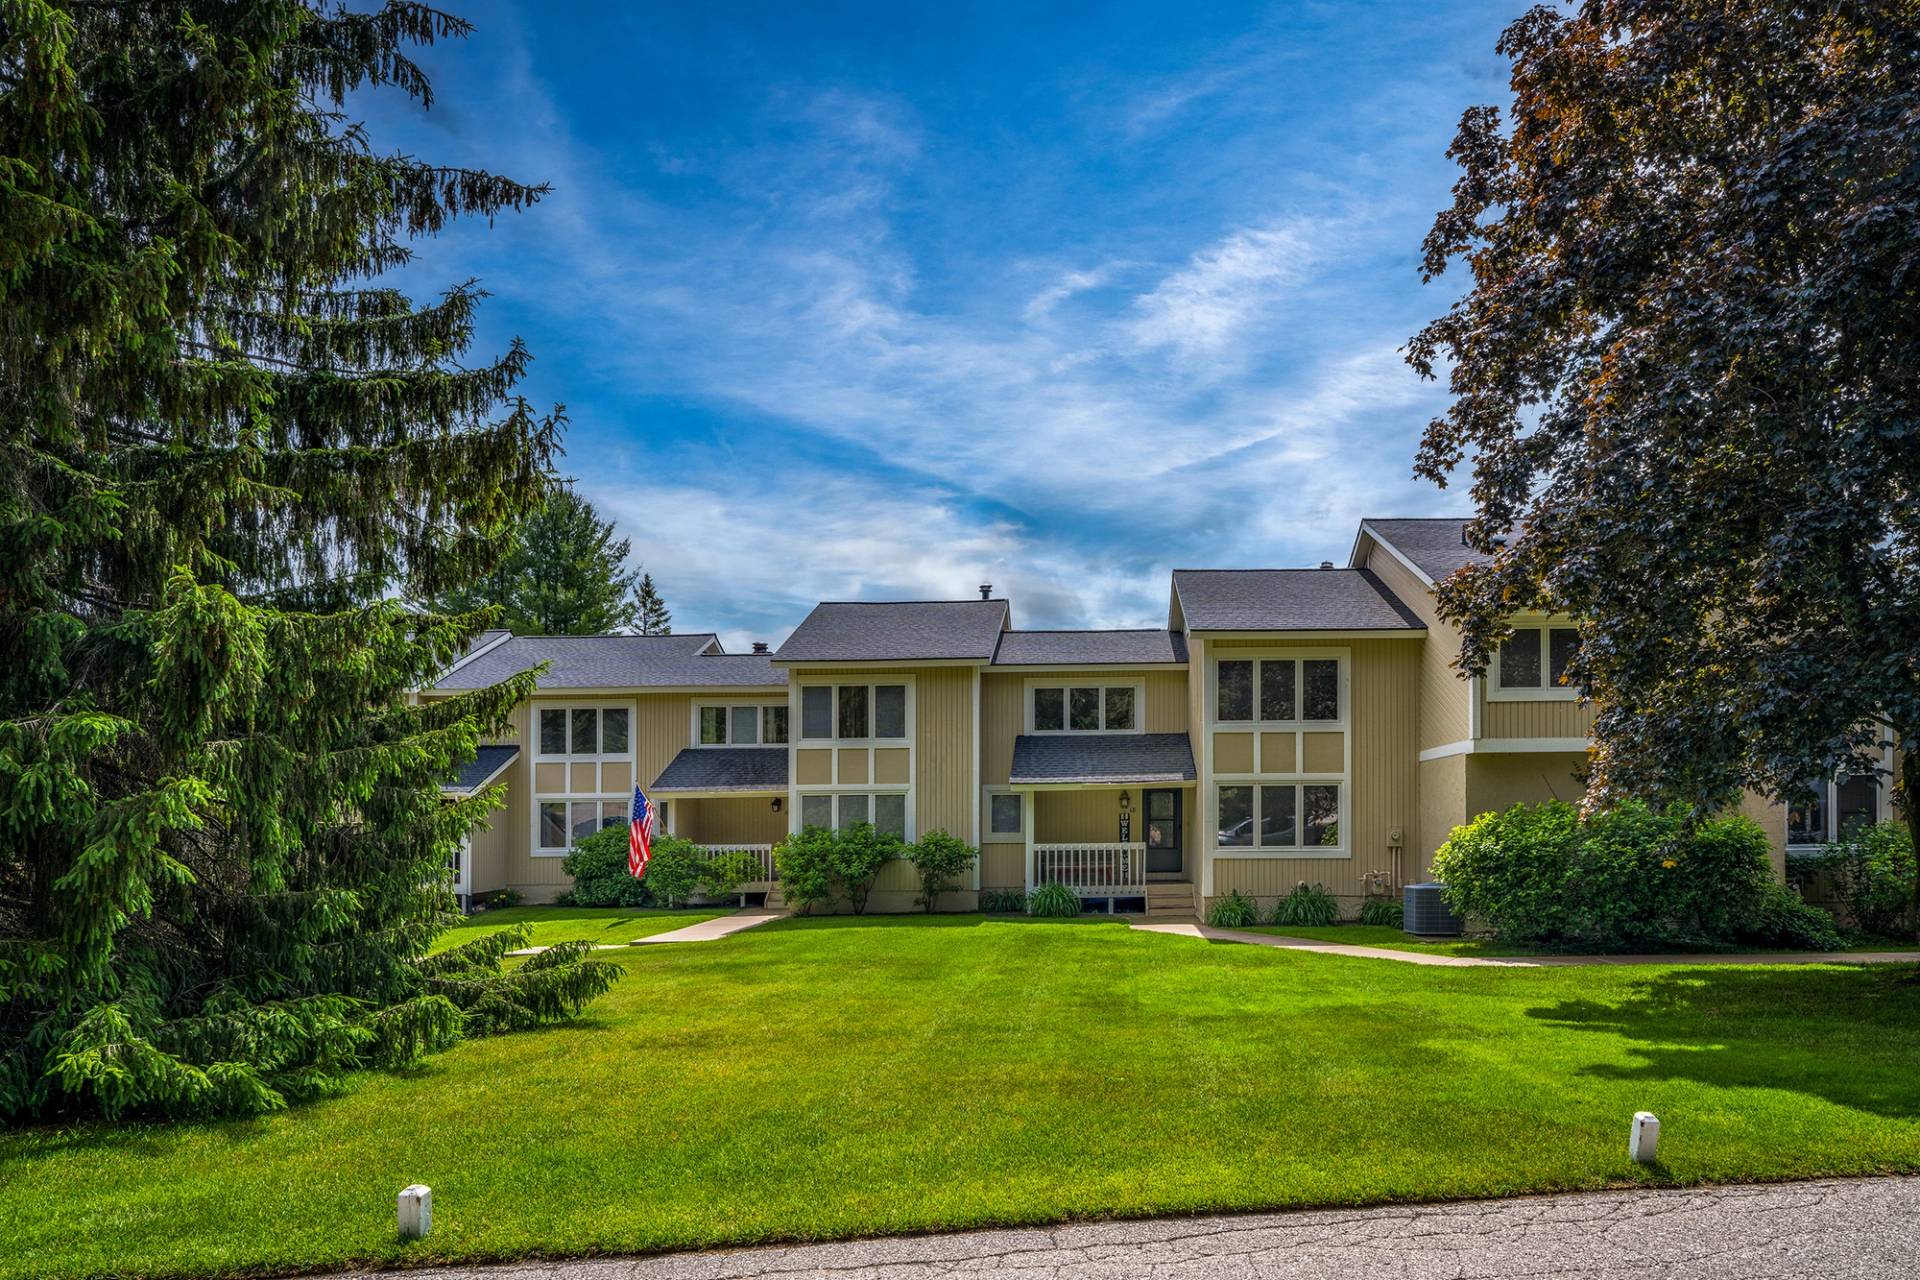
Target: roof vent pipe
(759, 646)
(986, 591)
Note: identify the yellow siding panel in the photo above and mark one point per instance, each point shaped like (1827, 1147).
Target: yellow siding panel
(1445, 698)
(1276, 752)
(1002, 716)
(813, 767)
(892, 765)
(586, 778)
(1232, 753)
(1001, 866)
(1324, 753)
(616, 777)
(1091, 816)
(1167, 701)
(1558, 718)
(944, 791)
(550, 778)
(853, 766)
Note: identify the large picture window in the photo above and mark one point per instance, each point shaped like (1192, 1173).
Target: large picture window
(853, 712)
(1289, 815)
(1836, 808)
(583, 774)
(1533, 662)
(836, 811)
(583, 731)
(1281, 690)
(1093, 707)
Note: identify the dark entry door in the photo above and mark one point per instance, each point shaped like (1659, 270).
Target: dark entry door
(1164, 836)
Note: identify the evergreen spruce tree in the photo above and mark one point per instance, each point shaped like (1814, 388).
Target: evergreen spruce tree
(651, 610)
(564, 574)
(223, 448)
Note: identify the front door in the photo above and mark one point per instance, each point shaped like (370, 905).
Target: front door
(1164, 856)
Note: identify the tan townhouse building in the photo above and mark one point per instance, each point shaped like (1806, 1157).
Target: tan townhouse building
(1287, 725)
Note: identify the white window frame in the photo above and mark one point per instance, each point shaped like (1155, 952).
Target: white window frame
(796, 729)
(1545, 691)
(568, 759)
(987, 834)
(836, 745)
(761, 705)
(1298, 656)
(838, 794)
(1066, 685)
(1207, 796)
(1882, 809)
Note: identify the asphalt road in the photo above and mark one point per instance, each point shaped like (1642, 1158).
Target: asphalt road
(1851, 1229)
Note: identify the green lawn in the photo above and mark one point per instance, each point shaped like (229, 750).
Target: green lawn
(569, 924)
(1383, 935)
(849, 1076)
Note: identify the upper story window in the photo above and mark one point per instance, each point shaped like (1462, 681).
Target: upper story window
(1836, 808)
(741, 724)
(1277, 690)
(1070, 707)
(1533, 661)
(584, 731)
(853, 712)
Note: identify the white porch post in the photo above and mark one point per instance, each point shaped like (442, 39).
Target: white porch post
(1026, 822)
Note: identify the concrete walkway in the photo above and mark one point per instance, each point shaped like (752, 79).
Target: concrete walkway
(1188, 929)
(704, 931)
(1865, 1229)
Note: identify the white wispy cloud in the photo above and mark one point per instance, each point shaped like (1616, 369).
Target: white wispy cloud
(1207, 305)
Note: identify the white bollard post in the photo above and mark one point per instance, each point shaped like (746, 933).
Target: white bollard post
(416, 1212)
(1643, 1144)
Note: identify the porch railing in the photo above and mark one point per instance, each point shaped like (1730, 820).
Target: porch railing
(1093, 870)
(763, 852)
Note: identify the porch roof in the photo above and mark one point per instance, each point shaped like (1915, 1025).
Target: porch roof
(1100, 758)
(476, 773)
(725, 769)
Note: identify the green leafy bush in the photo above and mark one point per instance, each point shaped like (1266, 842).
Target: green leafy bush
(941, 860)
(1787, 920)
(1629, 878)
(598, 865)
(858, 854)
(804, 861)
(1384, 911)
(501, 898)
(1003, 900)
(1234, 911)
(1053, 900)
(1872, 871)
(722, 874)
(1308, 904)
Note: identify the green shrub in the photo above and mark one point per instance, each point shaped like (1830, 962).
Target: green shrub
(805, 863)
(598, 865)
(1053, 900)
(1387, 911)
(1787, 920)
(1872, 871)
(1308, 904)
(1003, 901)
(673, 872)
(501, 898)
(722, 875)
(858, 854)
(1235, 911)
(941, 860)
(1629, 878)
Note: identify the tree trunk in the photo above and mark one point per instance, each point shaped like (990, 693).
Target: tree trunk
(1906, 790)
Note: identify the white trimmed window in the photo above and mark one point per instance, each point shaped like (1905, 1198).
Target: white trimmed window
(1006, 818)
(1279, 815)
(838, 810)
(853, 712)
(1836, 808)
(1531, 664)
(585, 757)
(739, 724)
(1085, 706)
(1277, 691)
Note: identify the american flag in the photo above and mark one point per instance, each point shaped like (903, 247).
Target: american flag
(640, 832)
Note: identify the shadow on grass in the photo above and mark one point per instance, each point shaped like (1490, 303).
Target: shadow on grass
(944, 920)
(1849, 1036)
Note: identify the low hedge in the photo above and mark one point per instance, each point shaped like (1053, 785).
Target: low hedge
(1631, 878)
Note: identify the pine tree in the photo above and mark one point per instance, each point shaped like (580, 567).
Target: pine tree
(564, 575)
(651, 609)
(223, 447)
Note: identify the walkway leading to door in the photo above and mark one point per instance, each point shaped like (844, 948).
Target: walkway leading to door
(704, 931)
(1189, 929)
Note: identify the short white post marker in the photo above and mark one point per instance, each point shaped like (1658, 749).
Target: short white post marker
(416, 1212)
(1643, 1144)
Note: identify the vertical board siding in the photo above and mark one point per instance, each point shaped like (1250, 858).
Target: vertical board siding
(1443, 806)
(1002, 716)
(731, 820)
(1445, 696)
(1556, 718)
(1091, 816)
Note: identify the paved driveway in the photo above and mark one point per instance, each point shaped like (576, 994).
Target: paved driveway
(1845, 1230)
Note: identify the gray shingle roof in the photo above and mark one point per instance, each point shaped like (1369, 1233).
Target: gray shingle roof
(725, 769)
(1434, 545)
(476, 771)
(617, 662)
(1289, 600)
(897, 631)
(1089, 648)
(1040, 758)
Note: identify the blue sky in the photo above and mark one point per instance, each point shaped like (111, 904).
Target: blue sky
(881, 301)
